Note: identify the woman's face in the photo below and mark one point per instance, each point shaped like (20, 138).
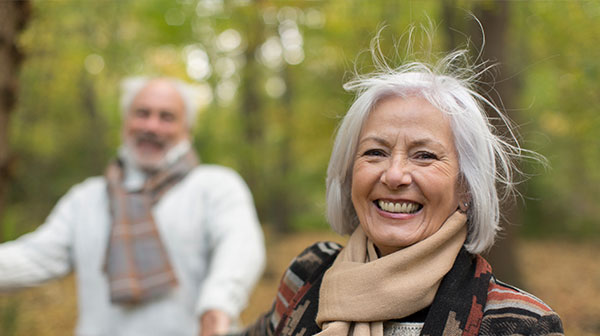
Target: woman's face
(405, 173)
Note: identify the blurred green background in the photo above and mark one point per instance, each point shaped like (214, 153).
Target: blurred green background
(271, 74)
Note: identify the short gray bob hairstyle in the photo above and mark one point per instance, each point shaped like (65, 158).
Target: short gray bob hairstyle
(131, 86)
(485, 159)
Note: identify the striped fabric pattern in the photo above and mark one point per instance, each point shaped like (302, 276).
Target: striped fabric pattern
(296, 302)
(296, 281)
(517, 312)
(502, 296)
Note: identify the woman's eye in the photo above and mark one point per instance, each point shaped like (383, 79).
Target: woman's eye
(374, 152)
(426, 156)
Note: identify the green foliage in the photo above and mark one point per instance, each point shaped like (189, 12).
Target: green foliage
(271, 105)
(561, 87)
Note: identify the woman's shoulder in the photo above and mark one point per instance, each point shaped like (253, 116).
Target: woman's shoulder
(510, 307)
(305, 270)
(297, 295)
(317, 256)
(502, 295)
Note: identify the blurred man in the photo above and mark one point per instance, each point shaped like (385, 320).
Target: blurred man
(160, 244)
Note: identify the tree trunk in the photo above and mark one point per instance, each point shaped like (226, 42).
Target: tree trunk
(494, 17)
(281, 204)
(503, 256)
(251, 112)
(13, 18)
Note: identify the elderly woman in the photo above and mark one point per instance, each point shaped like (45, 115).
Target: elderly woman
(413, 178)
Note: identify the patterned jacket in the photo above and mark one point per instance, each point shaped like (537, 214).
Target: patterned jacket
(470, 301)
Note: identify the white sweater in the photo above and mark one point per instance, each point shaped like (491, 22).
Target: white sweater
(210, 230)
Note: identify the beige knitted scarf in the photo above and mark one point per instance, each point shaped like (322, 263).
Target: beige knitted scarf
(360, 291)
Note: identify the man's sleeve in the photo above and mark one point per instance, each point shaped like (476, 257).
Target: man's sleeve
(237, 245)
(41, 255)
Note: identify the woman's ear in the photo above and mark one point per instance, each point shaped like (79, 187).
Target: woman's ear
(464, 203)
(464, 196)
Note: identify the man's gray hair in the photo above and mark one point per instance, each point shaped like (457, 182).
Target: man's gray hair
(131, 86)
(485, 158)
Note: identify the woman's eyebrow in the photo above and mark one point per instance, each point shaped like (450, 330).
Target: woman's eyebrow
(374, 138)
(424, 141)
(427, 141)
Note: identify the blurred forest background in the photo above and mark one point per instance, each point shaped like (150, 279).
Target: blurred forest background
(270, 77)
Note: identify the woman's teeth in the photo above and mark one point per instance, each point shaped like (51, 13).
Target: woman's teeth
(403, 207)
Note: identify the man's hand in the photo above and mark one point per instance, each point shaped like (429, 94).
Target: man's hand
(214, 322)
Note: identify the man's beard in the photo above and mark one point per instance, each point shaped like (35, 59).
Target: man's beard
(149, 163)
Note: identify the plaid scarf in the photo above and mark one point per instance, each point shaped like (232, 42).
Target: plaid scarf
(137, 264)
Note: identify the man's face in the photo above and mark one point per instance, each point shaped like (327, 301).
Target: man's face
(154, 123)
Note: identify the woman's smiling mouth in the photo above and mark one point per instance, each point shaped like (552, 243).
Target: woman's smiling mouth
(398, 207)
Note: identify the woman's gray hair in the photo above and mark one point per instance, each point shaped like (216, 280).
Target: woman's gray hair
(131, 86)
(485, 158)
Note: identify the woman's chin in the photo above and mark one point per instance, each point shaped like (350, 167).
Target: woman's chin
(394, 238)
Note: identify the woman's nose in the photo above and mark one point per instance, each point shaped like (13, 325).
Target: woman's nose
(397, 174)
